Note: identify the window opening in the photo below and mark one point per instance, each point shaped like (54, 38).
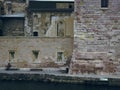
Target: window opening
(104, 3)
(35, 33)
(11, 54)
(60, 56)
(35, 54)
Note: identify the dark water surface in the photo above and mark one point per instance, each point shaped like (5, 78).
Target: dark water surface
(27, 85)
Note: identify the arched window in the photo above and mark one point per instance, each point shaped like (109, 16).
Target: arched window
(36, 20)
(60, 29)
(9, 7)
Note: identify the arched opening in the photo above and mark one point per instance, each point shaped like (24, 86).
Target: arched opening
(36, 20)
(60, 29)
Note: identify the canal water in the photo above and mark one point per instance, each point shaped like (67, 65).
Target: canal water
(27, 85)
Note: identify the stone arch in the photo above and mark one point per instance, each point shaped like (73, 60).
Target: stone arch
(36, 20)
(61, 28)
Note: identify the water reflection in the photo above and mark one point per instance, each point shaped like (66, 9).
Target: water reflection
(25, 85)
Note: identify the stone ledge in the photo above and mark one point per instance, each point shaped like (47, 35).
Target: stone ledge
(24, 69)
(36, 69)
(12, 69)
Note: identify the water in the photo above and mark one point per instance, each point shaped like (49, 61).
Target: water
(27, 85)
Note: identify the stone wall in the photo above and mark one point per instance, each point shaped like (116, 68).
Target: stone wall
(14, 6)
(96, 37)
(12, 18)
(22, 52)
(37, 23)
(29, 51)
(52, 24)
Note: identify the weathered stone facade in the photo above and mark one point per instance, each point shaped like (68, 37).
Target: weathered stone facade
(12, 17)
(34, 37)
(20, 51)
(40, 34)
(51, 24)
(96, 37)
(54, 20)
(14, 6)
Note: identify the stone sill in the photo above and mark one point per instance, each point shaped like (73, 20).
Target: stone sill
(104, 8)
(12, 69)
(24, 69)
(60, 63)
(36, 69)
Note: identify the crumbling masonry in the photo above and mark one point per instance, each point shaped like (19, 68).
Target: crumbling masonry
(36, 33)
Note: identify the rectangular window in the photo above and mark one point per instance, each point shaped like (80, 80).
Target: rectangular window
(35, 54)
(11, 54)
(60, 56)
(64, 5)
(61, 5)
(104, 3)
(9, 7)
